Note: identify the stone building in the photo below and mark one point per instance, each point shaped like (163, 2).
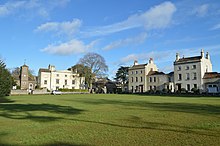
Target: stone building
(53, 79)
(24, 79)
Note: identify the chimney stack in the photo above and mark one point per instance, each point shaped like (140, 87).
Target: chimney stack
(202, 53)
(151, 61)
(177, 56)
(135, 62)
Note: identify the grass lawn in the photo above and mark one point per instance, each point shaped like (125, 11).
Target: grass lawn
(109, 120)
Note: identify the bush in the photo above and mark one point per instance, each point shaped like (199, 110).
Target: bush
(195, 91)
(165, 90)
(183, 90)
(158, 92)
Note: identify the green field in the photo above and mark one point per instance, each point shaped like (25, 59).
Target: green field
(99, 119)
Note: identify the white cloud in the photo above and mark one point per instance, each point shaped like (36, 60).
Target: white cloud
(201, 10)
(40, 7)
(217, 26)
(10, 7)
(157, 17)
(67, 27)
(72, 47)
(124, 42)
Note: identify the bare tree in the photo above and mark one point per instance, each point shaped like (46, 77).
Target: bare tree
(96, 63)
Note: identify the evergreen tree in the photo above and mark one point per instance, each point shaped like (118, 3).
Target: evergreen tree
(122, 75)
(5, 80)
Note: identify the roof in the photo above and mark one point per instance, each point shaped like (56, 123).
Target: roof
(44, 70)
(188, 60)
(211, 75)
(171, 73)
(156, 73)
(24, 65)
(16, 77)
(139, 66)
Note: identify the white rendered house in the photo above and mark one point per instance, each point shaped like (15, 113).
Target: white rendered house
(189, 71)
(60, 79)
(138, 76)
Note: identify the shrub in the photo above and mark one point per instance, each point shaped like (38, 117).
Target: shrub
(165, 90)
(195, 90)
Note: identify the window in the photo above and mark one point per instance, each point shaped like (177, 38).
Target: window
(57, 75)
(65, 75)
(179, 68)
(150, 87)
(65, 82)
(194, 76)
(132, 79)
(195, 86)
(136, 79)
(131, 72)
(45, 82)
(141, 71)
(180, 77)
(150, 79)
(194, 67)
(155, 88)
(73, 82)
(141, 79)
(57, 81)
(188, 87)
(169, 79)
(187, 76)
(154, 79)
(136, 72)
(187, 67)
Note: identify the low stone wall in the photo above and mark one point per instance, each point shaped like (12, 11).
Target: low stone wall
(25, 92)
(19, 92)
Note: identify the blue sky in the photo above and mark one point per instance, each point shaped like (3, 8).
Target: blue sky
(60, 32)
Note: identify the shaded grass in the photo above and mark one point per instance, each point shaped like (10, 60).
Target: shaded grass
(109, 120)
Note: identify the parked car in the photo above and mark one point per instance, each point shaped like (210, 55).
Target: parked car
(56, 92)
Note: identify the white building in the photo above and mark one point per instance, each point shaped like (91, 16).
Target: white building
(189, 71)
(160, 81)
(60, 79)
(138, 76)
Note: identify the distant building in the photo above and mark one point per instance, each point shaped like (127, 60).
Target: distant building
(212, 82)
(138, 76)
(53, 79)
(190, 71)
(25, 80)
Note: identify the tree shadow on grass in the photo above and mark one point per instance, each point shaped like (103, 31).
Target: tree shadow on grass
(5, 100)
(63, 144)
(144, 125)
(24, 111)
(203, 109)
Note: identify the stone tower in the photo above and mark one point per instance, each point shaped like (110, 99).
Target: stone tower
(24, 77)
